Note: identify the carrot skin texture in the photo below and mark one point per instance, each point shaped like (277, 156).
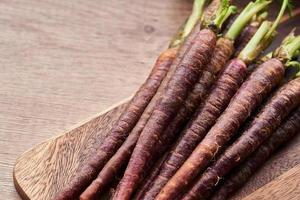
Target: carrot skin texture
(221, 54)
(121, 129)
(252, 92)
(110, 170)
(262, 127)
(242, 174)
(210, 10)
(185, 76)
(225, 87)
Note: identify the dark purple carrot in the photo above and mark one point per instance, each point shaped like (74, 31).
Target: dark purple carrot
(123, 154)
(242, 174)
(185, 77)
(222, 53)
(250, 95)
(267, 121)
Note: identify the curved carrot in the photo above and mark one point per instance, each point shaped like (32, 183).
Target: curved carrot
(121, 129)
(185, 76)
(267, 121)
(242, 174)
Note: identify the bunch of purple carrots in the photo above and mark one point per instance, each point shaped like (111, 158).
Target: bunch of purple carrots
(213, 109)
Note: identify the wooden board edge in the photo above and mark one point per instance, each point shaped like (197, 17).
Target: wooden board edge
(77, 125)
(18, 188)
(270, 187)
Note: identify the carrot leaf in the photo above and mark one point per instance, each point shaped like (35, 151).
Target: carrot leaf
(249, 11)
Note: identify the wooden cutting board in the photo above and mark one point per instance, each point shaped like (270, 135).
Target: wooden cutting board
(41, 171)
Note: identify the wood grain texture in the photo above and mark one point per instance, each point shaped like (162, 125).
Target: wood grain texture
(55, 161)
(285, 187)
(63, 61)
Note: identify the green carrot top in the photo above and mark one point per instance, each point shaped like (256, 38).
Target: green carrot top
(288, 50)
(262, 38)
(214, 21)
(224, 11)
(245, 16)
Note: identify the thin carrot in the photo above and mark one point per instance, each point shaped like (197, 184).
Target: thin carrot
(185, 76)
(267, 121)
(242, 174)
(249, 96)
(121, 129)
(124, 152)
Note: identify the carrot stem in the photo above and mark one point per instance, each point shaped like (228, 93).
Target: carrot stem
(263, 37)
(259, 18)
(277, 21)
(249, 53)
(288, 49)
(195, 16)
(251, 9)
(296, 65)
(223, 12)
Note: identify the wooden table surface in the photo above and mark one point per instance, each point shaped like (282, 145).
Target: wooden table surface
(64, 61)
